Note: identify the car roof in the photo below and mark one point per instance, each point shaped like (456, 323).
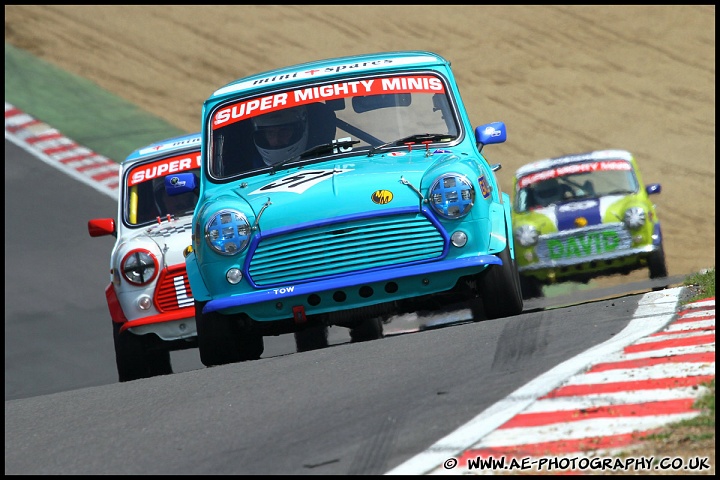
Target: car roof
(179, 143)
(333, 66)
(596, 155)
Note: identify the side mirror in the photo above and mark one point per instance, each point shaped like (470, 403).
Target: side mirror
(490, 133)
(653, 188)
(100, 227)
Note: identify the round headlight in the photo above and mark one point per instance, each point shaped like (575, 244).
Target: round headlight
(139, 267)
(228, 232)
(634, 217)
(526, 235)
(452, 196)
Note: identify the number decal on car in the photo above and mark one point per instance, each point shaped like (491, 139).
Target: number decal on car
(299, 182)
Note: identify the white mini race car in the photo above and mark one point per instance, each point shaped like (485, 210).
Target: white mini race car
(149, 296)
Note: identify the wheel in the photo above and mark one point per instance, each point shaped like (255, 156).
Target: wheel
(139, 356)
(500, 288)
(367, 329)
(656, 263)
(477, 309)
(251, 346)
(217, 338)
(530, 287)
(221, 341)
(313, 337)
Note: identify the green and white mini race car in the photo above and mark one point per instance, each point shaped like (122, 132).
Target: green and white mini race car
(578, 217)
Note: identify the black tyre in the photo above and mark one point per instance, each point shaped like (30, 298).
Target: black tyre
(500, 288)
(367, 329)
(251, 345)
(312, 337)
(656, 263)
(477, 308)
(531, 287)
(221, 341)
(139, 356)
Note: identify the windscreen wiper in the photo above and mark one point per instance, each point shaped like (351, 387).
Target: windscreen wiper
(322, 148)
(414, 139)
(325, 147)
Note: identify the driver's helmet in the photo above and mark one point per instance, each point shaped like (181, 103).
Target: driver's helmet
(547, 192)
(281, 135)
(175, 205)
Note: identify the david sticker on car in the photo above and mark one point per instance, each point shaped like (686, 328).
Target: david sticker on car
(339, 193)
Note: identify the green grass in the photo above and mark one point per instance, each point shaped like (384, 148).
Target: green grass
(704, 284)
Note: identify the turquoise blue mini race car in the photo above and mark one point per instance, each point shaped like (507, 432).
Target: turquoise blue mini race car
(579, 217)
(339, 193)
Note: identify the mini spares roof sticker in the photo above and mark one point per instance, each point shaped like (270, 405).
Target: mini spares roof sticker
(166, 166)
(329, 70)
(576, 158)
(573, 169)
(171, 145)
(302, 96)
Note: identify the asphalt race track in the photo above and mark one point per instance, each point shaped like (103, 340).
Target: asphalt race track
(349, 409)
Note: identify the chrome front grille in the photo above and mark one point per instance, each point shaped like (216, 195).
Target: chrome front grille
(345, 247)
(173, 289)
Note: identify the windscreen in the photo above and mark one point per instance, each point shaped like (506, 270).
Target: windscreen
(145, 199)
(571, 182)
(346, 116)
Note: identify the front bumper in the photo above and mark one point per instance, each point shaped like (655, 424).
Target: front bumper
(353, 291)
(584, 249)
(176, 326)
(591, 262)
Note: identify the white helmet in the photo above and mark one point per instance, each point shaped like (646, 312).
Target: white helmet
(281, 135)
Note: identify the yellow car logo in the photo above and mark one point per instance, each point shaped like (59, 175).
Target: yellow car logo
(381, 197)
